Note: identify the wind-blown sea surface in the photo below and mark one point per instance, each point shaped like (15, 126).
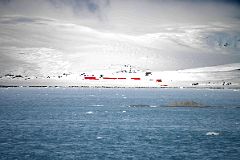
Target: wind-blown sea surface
(98, 123)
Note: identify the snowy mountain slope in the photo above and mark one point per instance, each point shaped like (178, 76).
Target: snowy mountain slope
(222, 68)
(47, 46)
(206, 38)
(208, 75)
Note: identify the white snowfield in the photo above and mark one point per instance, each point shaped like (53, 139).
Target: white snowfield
(223, 76)
(51, 46)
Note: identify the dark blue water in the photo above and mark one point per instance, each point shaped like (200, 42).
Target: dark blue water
(76, 123)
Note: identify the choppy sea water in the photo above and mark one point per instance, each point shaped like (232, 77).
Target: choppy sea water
(81, 123)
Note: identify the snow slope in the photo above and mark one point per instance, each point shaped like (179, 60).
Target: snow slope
(42, 46)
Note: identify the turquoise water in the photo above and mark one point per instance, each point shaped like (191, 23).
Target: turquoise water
(81, 123)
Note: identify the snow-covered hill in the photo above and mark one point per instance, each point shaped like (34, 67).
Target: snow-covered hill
(220, 68)
(41, 47)
(206, 76)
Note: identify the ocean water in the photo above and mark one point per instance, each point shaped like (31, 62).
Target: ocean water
(84, 123)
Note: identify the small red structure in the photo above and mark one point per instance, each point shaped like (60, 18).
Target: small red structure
(109, 78)
(90, 78)
(136, 78)
(158, 80)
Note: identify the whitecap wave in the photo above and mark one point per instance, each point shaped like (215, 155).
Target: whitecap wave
(153, 106)
(139, 105)
(89, 112)
(97, 105)
(212, 133)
